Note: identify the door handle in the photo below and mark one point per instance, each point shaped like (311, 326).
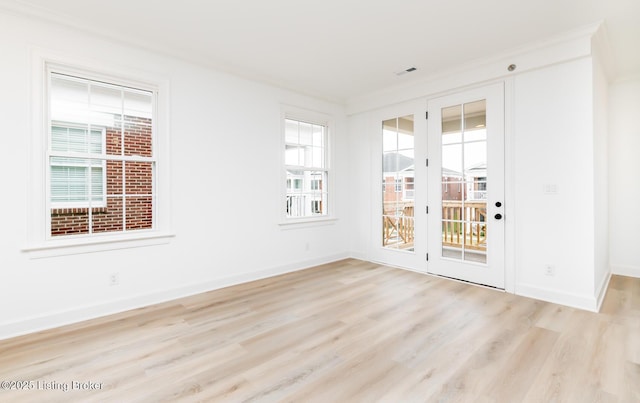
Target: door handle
(498, 216)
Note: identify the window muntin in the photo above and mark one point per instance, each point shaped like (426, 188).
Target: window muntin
(306, 168)
(101, 165)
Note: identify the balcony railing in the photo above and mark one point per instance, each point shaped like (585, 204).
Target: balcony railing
(472, 232)
(398, 225)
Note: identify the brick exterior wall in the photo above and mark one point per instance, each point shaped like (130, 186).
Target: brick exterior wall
(138, 186)
(390, 194)
(453, 190)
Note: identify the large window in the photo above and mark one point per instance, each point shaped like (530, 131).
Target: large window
(306, 166)
(100, 157)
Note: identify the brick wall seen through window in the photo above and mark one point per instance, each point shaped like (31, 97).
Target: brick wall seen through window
(111, 188)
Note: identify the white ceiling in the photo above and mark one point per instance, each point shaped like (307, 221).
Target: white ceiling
(338, 49)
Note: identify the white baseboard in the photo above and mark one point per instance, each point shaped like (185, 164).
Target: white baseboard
(580, 301)
(630, 271)
(57, 319)
(602, 289)
(359, 256)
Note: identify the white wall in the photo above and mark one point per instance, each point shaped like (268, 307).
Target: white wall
(624, 174)
(225, 206)
(360, 200)
(554, 146)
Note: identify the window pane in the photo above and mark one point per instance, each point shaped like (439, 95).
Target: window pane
(109, 219)
(306, 156)
(139, 212)
(318, 136)
(114, 177)
(137, 123)
(317, 157)
(475, 120)
(139, 178)
(306, 133)
(475, 159)
(291, 131)
(390, 135)
(69, 99)
(306, 193)
(97, 182)
(137, 133)
(105, 104)
(69, 184)
(138, 103)
(475, 115)
(113, 136)
(69, 221)
(76, 139)
(95, 142)
(452, 124)
(452, 161)
(291, 155)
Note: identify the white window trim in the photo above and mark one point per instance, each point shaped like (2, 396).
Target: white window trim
(38, 242)
(318, 118)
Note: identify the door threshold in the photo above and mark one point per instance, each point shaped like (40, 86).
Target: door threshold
(490, 287)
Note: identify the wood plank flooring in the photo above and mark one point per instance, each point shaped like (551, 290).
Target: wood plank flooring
(350, 331)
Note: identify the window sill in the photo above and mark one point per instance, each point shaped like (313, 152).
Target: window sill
(67, 246)
(295, 223)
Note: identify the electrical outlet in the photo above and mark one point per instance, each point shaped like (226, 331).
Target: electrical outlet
(307, 247)
(114, 279)
(550, 189)
(549, 270)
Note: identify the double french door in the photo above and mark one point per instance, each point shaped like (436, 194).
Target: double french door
(442, 187)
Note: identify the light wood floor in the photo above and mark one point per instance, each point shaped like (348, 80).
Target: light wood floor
(346, 332)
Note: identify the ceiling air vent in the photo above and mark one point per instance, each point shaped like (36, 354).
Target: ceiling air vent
(405, 71)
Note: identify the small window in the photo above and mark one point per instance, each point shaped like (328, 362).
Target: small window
(316, 184)
(306, 167)
(316, 206)
(408, 188)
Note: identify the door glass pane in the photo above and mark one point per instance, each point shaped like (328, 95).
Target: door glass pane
(398, 177)
(452, 162)
(451, 124)
(390, 135)
(475, 159)
(475, 117)
(464, 182)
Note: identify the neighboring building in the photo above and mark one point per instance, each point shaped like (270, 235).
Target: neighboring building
(398, 179)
